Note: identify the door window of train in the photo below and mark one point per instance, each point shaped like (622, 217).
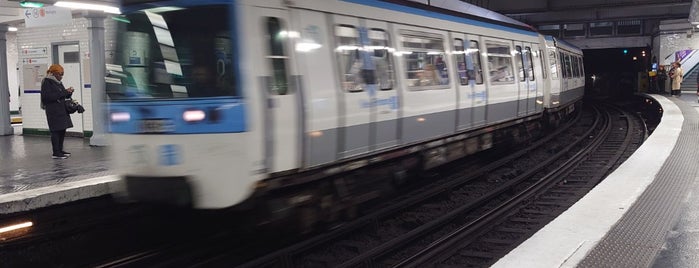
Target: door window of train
(276, 53)
(564, 67)
(568, 65)
(349, 58)
(528, 61)
(543, 65)
(381, 57)
(350, 55)
(519, 58)
(554, 64)
(460, 61)
(475, 55)
(425, 60)
(168, 55)
(500, 64)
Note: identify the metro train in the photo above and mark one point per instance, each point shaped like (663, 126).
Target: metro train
(320, 104)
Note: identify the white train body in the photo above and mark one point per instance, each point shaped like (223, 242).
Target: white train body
(315, 86)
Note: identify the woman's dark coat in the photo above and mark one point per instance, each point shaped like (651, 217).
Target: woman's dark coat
(53, 94)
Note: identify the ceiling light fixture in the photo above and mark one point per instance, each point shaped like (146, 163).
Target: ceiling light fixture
(79, 5)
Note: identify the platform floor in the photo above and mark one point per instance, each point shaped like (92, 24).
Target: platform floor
(30, 178)
(645, 214)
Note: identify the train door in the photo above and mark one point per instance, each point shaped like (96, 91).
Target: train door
(532, 87)
(69, 58)
(538, 77)
(355, 99)
(383, 94)
(480, 94)
(522, 80)
(280, 84)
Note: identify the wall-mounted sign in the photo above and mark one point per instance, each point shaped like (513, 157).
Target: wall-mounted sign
(33, 52)
(47, 16)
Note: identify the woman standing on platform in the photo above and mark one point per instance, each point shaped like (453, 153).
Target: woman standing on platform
(53, 95)
(676, 75)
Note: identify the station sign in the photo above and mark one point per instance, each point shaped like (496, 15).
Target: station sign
(47, 16)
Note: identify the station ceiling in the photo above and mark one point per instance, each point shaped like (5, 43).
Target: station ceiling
(533, 12)
(539, 12)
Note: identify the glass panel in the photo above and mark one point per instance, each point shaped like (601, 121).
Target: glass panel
(529, 62)
(382, 58)
(520, 65)
(500, 63)
(540, 55)
(424, 60)
(461, 61)
(276, 35)
(474, 52)
(554, 64)
(348, 58)
(169, 55)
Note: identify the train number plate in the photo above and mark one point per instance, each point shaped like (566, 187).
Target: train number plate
(157, 126)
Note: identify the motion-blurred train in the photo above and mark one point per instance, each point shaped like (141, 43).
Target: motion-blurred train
(320, 104)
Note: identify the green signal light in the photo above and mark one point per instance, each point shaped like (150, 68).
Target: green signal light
(626, 51)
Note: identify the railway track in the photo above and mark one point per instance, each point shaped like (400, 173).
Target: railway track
(484, 208)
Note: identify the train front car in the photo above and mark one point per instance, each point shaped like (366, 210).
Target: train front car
(176, 111)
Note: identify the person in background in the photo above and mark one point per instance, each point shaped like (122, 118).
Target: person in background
(676, 75)
(661, 77)
(53, 96)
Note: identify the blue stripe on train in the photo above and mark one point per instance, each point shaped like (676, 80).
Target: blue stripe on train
(222, 115)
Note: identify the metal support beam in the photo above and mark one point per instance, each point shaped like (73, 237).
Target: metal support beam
(5, 126)
(97, 72)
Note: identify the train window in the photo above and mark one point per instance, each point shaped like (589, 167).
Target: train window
(540, 55)
(499, 63)
(564, 67)
(425, 60)
(380, 56)
(475, 54)
(528, 61)
(353, 57)
(576, 69)
(569, 66)
(554, 64)
(167, 55)
(519, 58)
(276, 36)
(582, 68)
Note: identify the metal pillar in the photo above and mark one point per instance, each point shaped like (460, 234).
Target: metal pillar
(5, 126)
(97, 72)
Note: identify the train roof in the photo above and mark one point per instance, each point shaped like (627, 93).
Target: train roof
(456, 8)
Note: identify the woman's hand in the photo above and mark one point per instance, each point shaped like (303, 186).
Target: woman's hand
(70, 89)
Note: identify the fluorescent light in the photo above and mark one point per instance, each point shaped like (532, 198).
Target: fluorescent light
(28, 4)
(79, 5)
(12, 29)
(15, 227)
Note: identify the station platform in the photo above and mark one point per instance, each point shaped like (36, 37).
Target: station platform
(645, 214)
(31, 179)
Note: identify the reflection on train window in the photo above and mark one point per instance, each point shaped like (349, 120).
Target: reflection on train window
(461, 61)
(349, 58)
(519, 58)
(168, 55)
(381, 57)
(425, 60)
(468, 62)
(528, 61)
(554, 64)
(277, 38)
(500, 63)
(475, 55)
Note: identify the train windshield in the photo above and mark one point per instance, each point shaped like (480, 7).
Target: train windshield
(172, 53)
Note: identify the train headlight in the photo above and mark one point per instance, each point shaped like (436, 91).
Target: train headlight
(193, 115)
(120, 117)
